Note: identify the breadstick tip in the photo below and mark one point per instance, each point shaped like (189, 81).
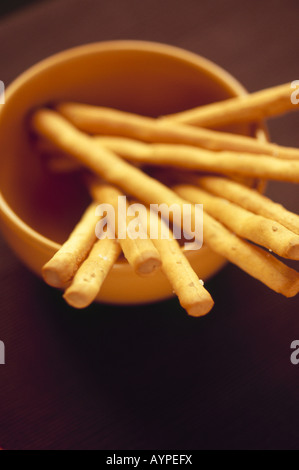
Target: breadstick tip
(51, 277)
(200, 308)
(76, 299)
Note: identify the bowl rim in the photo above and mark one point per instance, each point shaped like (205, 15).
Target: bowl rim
(197, 60)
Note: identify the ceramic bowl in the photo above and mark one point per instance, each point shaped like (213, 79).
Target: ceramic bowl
(37, 209)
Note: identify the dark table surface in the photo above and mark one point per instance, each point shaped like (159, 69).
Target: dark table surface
(150, 377)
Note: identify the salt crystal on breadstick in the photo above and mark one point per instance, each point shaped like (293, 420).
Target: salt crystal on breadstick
(89, 279)
(245, 108)
(188, 157)
(140, 252)
(255, 228)
(106, 121)
(250, 200)
(65, 263)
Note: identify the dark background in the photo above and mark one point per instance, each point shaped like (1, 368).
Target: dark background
(150, 377)
(8, 6)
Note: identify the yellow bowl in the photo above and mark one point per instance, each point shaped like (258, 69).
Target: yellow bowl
(38, 210)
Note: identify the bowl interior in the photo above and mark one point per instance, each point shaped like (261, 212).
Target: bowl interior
(148, 79)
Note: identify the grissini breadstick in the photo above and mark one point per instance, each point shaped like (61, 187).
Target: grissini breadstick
(106, 121)
(104, 163)
(89, 278)
(255, 228)
(101, 161)
(193, 297)
(188, 157)
(140, 252)
(245, 108)
(130, 149)
(65, 263)
(251, 259)
(250, 200)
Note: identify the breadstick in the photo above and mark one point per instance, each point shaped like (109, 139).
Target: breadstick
(101, 161)
(92, 273)
(63, 266)
(193, 297)
(106, 121)
(251, 259)
(133, 181)
(245, 108)
(129, 149)
(255, 228)
(187, 157)
(141, 252)
(250, 200)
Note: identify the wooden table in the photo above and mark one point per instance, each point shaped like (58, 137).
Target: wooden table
(150, 377)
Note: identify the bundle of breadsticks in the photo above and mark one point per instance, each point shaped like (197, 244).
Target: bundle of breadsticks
(240, 224)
